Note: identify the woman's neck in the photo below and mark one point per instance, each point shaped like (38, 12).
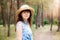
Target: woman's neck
(25, 20)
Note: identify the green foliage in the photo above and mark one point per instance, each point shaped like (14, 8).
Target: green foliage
(46, 21)
(34, 20)
(1, 22)
(3, 3)
(56, 21)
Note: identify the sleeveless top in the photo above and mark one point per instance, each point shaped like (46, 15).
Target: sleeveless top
(26, 31)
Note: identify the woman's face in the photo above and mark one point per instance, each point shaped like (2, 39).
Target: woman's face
(25, 15)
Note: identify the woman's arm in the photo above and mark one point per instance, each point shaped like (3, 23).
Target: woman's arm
(19, 31)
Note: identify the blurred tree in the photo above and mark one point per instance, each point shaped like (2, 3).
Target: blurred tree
(50, 16)
(9, 11)
(42, 18)
(59, 18)
(51, 20)
(2, 12)
(18, 4)
(38, 16)
(8, 14)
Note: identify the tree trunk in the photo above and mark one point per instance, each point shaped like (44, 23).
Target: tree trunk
(59, 19)
(42, 19)
(38, 17)
(8, 12)
(51, 21)
(2, 12)
(9, 8)
(14, 7)
(17, 4)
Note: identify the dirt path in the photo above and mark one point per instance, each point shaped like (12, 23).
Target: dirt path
(43, 34)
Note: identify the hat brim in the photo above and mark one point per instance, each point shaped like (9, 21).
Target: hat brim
(20, 10)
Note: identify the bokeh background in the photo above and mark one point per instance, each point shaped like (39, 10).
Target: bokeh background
(46, 19)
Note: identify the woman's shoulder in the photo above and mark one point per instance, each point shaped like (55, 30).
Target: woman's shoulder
(19, 23)
(18, 26)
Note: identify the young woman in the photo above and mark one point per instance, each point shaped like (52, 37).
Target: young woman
(24, 22)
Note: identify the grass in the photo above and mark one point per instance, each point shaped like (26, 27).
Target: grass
(3, 32)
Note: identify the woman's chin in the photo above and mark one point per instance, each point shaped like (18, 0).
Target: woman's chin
(26, 17)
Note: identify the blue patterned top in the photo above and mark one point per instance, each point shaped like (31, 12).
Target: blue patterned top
(26, 31)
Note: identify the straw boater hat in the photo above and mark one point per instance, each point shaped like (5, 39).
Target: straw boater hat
(24, 7)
